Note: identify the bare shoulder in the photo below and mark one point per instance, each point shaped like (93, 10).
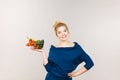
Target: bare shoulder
(72, 44)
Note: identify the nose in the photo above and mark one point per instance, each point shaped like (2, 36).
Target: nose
(63, 34)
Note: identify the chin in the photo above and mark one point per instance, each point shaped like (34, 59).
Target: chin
(65, 39)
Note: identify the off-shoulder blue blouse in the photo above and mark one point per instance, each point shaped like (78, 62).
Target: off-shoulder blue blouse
(62, 60)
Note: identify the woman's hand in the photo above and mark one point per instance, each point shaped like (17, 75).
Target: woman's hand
(38, 50)
(77, 73)
(74, 74)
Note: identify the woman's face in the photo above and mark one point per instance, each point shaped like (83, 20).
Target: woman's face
(62, 33)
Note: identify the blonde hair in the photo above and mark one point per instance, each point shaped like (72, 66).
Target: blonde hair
(58, 24)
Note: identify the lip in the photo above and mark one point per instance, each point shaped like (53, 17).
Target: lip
(64, 36)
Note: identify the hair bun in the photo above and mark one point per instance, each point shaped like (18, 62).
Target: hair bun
(56, 23)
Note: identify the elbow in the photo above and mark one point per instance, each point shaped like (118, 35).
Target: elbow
(89, 65)
(47, 67)
(92, 65)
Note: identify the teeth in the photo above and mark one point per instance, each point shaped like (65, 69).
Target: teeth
(64, 36)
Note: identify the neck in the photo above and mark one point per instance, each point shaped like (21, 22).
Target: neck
(64, 42)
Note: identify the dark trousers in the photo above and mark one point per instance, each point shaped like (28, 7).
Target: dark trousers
(51, 76)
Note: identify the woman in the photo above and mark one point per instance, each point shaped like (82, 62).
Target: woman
(65, 56)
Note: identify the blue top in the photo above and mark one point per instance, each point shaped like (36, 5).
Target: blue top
(62, 60)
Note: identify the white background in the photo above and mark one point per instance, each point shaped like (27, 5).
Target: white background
(95, 24)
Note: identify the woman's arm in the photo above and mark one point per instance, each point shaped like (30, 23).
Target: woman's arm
(45, 60)
(77, 73)
(86, 67)
(88, 64)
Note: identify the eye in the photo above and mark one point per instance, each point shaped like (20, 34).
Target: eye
(65, 30)
(59, 32)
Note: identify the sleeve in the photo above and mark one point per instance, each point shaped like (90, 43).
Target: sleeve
(86, 58)
(48, 66)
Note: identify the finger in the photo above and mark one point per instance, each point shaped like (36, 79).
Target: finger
(69, 74)
(40, 50)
